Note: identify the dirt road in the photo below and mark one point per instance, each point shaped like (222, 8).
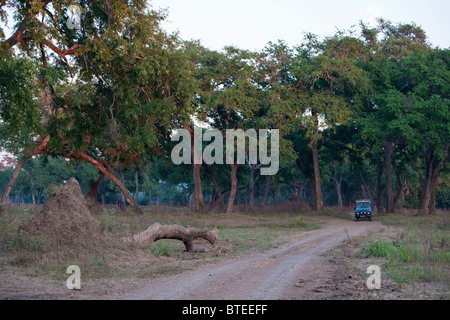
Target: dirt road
(270, 275)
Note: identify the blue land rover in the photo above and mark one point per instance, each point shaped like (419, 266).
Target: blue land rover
(363, 210)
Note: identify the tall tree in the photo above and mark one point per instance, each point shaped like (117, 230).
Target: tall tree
(21, 126)
(120, 81)
(228, 97)
(429, 75)
(390, 114)
(315, 85)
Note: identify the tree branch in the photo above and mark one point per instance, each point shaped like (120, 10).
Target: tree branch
(18, 35)
(62, 53)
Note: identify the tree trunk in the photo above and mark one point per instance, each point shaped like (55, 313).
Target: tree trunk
(340, 203)
(33, 201)
(122, 203)
(136, 193)
(4, 198)
(234, 183)
(337, 187)
(367, 187)
(400, 186)
(252, 182)
(364, 191)
(238, 196)
(310, 177)
(313, 189)
(39, 196)
(433, 165)
(266, 191)
(91, 196)
(432, 205)
(425, 196)
(251, 188)
(213, 200)
(217, 192)
(317, 205)
(102, 193)
(380, 208)
(388, 146)
(149, 197)
(198, 193)
(157, 232)
(188, 203)
(111, 177)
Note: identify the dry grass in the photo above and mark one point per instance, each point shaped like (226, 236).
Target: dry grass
(31, 252)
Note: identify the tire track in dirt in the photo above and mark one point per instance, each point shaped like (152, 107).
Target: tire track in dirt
(269, 275)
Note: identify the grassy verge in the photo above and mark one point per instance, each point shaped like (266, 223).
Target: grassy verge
(412, 249)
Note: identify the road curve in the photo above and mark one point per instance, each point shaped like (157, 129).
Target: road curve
(262, 276)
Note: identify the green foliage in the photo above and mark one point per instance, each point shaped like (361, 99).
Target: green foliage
(411, 201)
(13, 238)
(19, 110)
(23, 241)
(162, 248)
(115, 98)
(386, 249)
(128, 84)
(443, 198)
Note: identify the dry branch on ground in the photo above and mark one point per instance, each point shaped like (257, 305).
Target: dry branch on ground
(158, 231)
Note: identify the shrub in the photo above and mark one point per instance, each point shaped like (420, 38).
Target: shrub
(386, 249)
(162, 249)
(23, 241)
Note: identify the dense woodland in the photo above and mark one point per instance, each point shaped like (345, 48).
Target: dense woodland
(363, 113)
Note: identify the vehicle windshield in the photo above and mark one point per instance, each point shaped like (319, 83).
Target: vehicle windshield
(362, 205)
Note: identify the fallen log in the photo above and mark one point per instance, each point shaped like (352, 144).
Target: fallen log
(158, 231)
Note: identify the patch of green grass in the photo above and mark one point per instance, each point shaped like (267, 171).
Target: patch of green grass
(317, 226)
(12, 238)
(387, 249)
(418, 251)
(162, 248)
(22, 241)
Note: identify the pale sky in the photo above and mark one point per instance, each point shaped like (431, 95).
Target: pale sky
(250, 24)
